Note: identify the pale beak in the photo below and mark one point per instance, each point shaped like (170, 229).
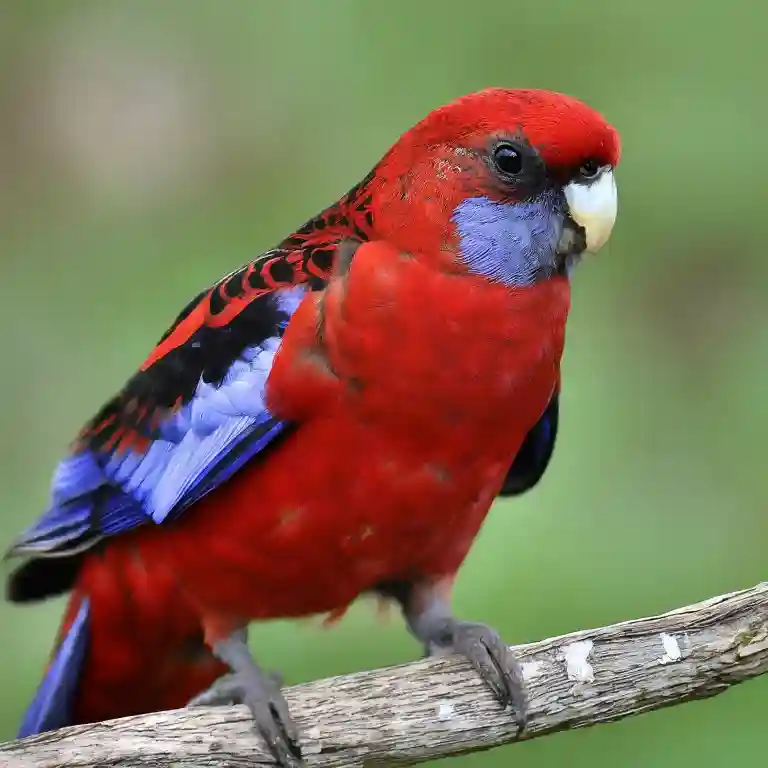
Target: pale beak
(593, 205)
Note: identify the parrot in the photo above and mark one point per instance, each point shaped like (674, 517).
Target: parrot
(330, 421)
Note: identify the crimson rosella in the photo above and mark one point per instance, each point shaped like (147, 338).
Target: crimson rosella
(333, 419)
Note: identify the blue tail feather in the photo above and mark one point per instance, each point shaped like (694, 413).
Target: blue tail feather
(52, 706)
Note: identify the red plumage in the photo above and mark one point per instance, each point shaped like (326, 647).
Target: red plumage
(387, 476)
(146, 648)
(413, 383)
(384, 489)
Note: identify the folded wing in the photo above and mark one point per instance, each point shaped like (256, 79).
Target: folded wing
(164, 442)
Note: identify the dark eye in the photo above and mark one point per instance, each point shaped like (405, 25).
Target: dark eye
(508, 159)
(589, 169)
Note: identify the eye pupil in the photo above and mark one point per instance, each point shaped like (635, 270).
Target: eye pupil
(589, 169)
(508, 160)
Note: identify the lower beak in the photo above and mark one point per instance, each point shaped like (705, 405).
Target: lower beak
(593, 205)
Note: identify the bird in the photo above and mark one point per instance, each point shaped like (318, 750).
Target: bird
(333, 419)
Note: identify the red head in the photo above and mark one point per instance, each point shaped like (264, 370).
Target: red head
(505, 179)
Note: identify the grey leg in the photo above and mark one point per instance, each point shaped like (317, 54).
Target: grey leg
(260, 691)
(430, 620)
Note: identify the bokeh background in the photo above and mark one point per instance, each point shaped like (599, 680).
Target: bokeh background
(146, 148)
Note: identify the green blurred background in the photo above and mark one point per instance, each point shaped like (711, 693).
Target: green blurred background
(148, 147)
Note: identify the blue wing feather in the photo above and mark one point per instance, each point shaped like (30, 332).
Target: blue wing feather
(52, 706)
(225, 424)
(535, 453)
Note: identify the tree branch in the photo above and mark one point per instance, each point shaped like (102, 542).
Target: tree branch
(437, 707)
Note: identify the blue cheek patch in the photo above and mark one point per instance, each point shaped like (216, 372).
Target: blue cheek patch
(513, 243)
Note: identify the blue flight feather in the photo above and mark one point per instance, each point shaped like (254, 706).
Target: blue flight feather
(223, 426)
(52, 706)
(535, 453)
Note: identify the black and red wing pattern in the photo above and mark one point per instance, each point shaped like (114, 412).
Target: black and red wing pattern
(194, 413)
(215, 327)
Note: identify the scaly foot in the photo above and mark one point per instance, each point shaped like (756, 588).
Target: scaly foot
(260, 691)
(490, 657)
(429, 619)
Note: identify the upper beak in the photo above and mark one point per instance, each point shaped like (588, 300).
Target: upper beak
(593, 205)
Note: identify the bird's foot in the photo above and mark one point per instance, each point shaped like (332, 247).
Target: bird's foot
(260, 691)
(426, 609)
(489, 656)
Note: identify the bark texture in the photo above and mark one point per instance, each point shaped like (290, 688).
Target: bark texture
(436, 707)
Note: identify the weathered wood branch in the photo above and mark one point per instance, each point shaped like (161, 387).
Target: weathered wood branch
(437, 707)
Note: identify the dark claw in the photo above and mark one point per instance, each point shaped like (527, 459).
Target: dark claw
(268, 707)
(260, 692)
(428, 616)
(489, 656)
(497, 666)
